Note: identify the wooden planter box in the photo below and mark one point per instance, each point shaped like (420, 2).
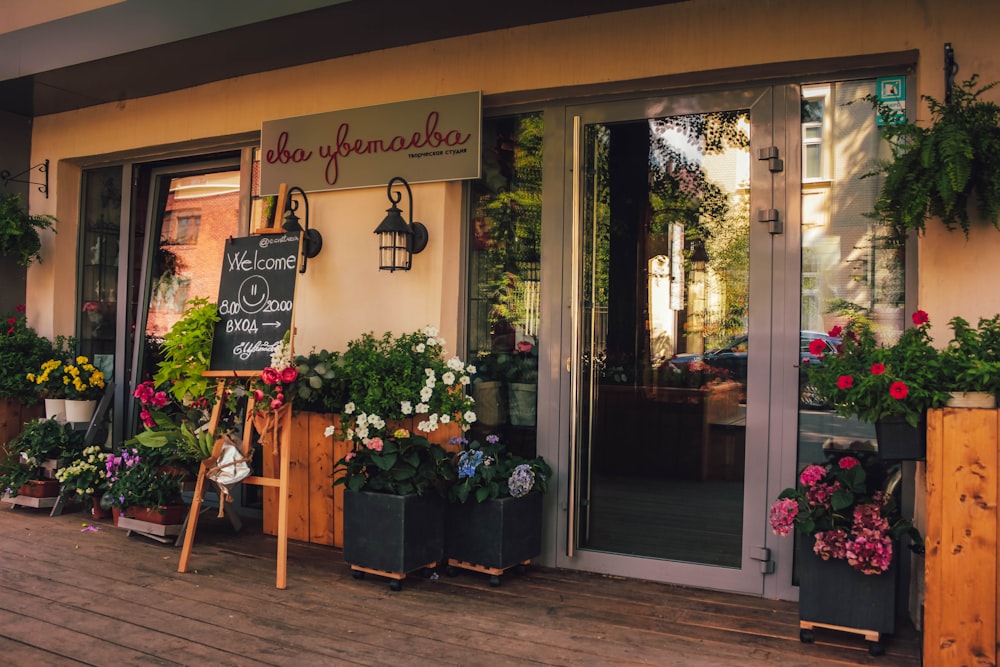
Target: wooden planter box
(961, 624)
(495, 534)
(164, 516)
(391, 534)
(833, 594)
(39, 488)
(315, 506)
(13, 416)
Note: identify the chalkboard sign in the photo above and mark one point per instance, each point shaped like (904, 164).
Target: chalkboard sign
(255, 300)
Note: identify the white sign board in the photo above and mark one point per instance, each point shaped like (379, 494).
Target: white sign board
(433, 139)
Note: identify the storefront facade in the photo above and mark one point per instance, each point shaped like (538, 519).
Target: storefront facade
(678, 181)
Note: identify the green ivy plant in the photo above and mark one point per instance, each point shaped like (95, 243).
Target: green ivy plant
(187, 351)
(936, 171)
(19, 230)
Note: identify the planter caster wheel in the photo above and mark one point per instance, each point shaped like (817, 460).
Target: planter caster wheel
(357, 574)
(520, 568)
(494, 580)
(806, 636)
(876, 649)
(395, 585)
(451, 571)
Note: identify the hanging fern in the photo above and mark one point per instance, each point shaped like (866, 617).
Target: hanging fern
(935, 170)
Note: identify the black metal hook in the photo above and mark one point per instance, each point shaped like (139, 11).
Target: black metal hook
(42, 167)
(950, 70)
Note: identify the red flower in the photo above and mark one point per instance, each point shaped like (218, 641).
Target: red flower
(848, 462)
(11, 320)
(898, 390)
(817, 347)
(289, 374)
(845, 382)
(11, 330)
(20, 308)
(920, 317)
(878, 369)
(270, 376)
(836, 331)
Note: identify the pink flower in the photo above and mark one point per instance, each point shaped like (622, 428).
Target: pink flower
(144, 392)
(811, 475)
(270, 376)
(831, 544)
(276, 403)
(898, 390)
(375, 444)
(782, 516)
(821, 494)
(289, 374)
(147, 418)
(848, 462)
(349, 456)
(159, 399)
(845, 382)
(920, 317)
(878, 369)
(524, 346)
(258, 395)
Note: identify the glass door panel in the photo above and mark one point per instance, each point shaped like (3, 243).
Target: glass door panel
(668, 476)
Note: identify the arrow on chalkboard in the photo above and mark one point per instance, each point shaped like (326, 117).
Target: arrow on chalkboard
(271, 324)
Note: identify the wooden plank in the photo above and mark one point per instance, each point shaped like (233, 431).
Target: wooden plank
(298, 482)
(340, 450)
(320, 479)
(961, 563)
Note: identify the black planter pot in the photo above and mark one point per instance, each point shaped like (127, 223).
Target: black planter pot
(393, 534)
(898, 441)
(833, 593)
(495, 534)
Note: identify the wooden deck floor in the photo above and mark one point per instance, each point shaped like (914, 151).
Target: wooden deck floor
(70, 596)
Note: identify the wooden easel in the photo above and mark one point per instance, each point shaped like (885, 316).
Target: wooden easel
(281, 439)
(283, 444)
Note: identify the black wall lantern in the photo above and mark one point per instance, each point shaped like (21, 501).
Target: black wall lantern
(399, 240)
(312, 240)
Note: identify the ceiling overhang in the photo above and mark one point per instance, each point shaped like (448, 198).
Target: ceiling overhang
(138, 48)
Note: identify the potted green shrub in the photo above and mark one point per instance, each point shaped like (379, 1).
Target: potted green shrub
(395, 479)
(19, 230)
(849, 525)
(142, 485)
(939, 169)
(37, 454)
(889, 385)
(494, 519)
(187, 352)
(84, 478)
(970, 364)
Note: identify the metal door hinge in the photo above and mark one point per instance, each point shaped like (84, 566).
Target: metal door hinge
(774, 163)
(772, 218)
(763, 556)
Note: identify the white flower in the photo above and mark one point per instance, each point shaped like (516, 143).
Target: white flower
(426, 393)
(431, 341)
(422, 408)
(470, 369)
(329, 430)
(433, 418)
(464, 380)
(440, 341)
(376, 421)
(350, 434)
(427, 426)
(431, 381)
(420, 348)
(448, 378)
(430, 331)
(455, 364)
(349, 408)
(429, 372)
(445, 418)
(406, 407)
(469, 416)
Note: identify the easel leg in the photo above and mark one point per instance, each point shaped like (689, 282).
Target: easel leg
(286, 455)
(192, 520)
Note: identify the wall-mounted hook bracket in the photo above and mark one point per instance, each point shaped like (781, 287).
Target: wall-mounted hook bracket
(950, 70)
(42, 167)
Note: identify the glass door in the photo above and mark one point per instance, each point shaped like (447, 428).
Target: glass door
(674, 244)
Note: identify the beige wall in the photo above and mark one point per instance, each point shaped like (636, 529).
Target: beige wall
(344, 294)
